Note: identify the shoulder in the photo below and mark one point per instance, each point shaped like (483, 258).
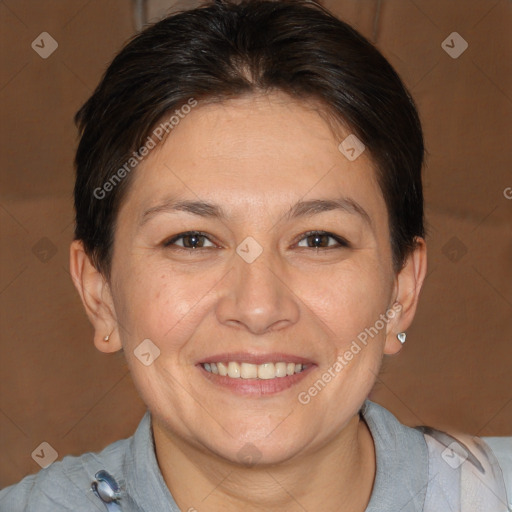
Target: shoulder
(502, 449)
(436, 470)
(463, 470)
(66, 485)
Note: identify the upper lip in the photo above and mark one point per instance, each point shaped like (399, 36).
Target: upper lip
(246, 357)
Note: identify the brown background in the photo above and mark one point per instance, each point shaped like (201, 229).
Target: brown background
(454, 371)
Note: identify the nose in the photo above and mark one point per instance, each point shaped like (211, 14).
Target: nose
(256, 296)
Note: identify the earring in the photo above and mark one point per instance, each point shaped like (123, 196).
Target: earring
(401, 337)
(107, 337)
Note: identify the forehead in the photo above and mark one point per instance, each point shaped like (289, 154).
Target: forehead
(266, 149)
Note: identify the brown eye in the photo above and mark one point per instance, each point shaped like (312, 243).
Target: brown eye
(321, 240)
(189, 240)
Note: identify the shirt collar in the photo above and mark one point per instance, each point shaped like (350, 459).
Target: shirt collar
(402, 462)
(144, 481)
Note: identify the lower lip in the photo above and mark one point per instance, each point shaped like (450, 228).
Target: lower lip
(256, 387)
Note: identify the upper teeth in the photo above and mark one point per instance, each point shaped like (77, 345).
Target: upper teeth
(253, 371)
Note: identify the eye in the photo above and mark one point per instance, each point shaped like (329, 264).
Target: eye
(321, 240)
(190, 240)
(193, 240)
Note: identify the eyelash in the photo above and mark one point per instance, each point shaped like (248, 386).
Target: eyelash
(342, 243)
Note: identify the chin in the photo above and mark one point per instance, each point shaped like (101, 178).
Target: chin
(256, 450)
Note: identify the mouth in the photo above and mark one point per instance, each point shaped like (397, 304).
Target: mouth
(255, 375)
(265, 371)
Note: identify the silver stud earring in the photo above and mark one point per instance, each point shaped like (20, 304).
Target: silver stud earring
(401, 337)
(107, 337)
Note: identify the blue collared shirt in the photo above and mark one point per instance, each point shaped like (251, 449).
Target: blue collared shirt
(415, 472)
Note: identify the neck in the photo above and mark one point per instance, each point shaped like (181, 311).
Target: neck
(339, 476)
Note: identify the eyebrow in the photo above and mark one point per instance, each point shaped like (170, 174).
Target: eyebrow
(299, 209)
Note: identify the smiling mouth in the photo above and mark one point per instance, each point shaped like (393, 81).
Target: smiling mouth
(265, 371)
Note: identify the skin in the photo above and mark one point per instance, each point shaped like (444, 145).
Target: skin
(255, 157)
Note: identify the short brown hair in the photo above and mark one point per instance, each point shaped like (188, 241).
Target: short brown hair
(224, 50)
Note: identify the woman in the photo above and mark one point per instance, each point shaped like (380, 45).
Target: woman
(249, 231)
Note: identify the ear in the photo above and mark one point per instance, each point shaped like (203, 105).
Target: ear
(406, 293)
(96, 298)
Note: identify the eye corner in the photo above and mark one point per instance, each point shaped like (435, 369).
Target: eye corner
(170, 242)
(342, 243)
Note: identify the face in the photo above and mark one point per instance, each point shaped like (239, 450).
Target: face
(267, 276)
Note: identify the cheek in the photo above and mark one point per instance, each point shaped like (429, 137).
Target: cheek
(161, 305)
(347, 301)
(159, 302)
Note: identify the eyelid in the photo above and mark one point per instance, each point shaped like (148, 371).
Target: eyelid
(172, 240)
(342, 242)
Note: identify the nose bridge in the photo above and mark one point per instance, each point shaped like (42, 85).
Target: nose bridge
(257, 296)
